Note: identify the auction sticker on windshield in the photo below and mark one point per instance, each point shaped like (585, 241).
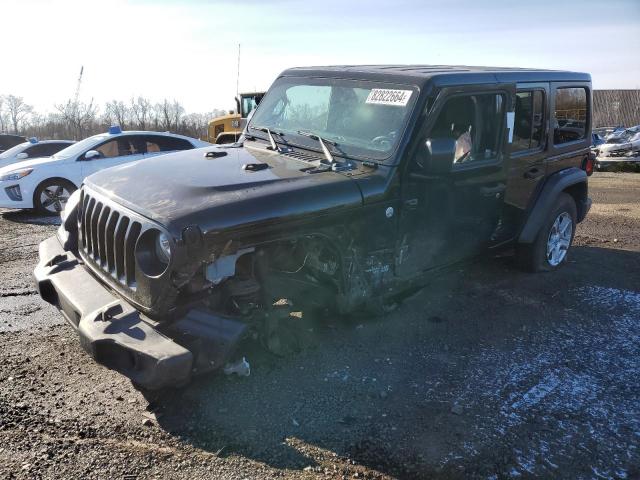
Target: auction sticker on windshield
(385, 96)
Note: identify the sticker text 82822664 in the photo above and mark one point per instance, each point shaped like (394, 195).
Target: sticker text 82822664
(386, 96)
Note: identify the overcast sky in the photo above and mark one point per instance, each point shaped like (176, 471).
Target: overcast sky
(187, 49)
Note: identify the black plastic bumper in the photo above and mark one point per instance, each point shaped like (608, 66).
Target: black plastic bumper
(110, 330)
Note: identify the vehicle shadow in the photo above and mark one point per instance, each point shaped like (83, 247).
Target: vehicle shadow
(381, 392)
(29, 216)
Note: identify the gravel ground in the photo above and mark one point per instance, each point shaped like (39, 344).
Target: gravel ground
(487, 373)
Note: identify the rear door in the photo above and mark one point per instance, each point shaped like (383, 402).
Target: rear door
(448, 218)
(528, 149)
(570, 125)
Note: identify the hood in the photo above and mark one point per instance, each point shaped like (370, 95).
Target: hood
(20, 164)
(189, 188)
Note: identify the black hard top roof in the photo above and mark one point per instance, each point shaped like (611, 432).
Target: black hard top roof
(440, 74)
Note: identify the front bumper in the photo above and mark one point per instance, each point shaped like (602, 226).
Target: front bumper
(608, 161)
(9, 199)
(119, 337)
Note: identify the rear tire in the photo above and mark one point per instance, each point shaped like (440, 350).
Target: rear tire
(51, 196)
(550, 248)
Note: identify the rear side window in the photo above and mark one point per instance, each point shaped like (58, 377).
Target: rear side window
(157, 143)
(46, 149)
(570, 122)
(528, 127)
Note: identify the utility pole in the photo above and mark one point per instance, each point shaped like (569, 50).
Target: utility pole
(77, 94)
(238, 75)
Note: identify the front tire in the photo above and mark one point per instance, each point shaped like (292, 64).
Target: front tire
(551, 246)
(51, 196)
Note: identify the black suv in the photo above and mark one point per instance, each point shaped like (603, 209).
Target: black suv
(350, 185)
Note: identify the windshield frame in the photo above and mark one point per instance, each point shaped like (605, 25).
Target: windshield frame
(15, 150)
(294, 139)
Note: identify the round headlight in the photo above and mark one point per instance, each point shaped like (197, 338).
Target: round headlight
(163, 248)
(153, 252)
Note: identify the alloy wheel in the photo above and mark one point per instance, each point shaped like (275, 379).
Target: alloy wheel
(54, 198)
(559, 239)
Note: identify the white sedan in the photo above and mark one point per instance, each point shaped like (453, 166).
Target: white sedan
(32, 149)
(46, 183)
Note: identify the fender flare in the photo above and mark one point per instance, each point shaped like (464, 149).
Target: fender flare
(553, 187)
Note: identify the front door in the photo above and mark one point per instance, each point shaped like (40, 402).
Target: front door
(451, 217)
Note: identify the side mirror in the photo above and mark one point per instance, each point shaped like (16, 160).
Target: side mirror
(439, 155)
(22, 156)
(91, 154)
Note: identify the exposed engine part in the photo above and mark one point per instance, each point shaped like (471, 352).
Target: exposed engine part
(224, 267)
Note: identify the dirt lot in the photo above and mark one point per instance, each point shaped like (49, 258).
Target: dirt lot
(488, 373)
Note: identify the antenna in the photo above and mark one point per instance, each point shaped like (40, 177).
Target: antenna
(238, 75)
(77, 94)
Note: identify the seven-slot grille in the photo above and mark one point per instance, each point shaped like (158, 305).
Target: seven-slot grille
(108, 238)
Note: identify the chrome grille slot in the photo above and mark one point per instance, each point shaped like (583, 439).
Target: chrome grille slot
(102, 240)
(129, 256)
(108, 238)
(93, 227)
(86, 224)
(121, 229)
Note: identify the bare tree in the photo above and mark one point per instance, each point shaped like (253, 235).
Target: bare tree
(169, 115)
(77, 120)
(141, 112)
(3, 115)
(195, 124)
(18, 111)
(118, 112)
(80, 117)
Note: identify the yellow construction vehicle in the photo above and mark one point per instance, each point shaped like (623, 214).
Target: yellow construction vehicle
(227, 128)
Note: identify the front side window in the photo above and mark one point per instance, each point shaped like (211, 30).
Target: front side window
(528, 127)
(118, 147)
(364, 119)
(475, 122)
(45, 149)
(570, 122)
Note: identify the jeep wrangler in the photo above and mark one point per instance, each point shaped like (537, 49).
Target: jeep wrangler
(349, 186)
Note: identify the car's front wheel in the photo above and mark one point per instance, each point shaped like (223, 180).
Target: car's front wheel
(551, 246)
(51, 196)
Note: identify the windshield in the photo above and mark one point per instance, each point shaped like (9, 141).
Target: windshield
(80, 147)
(364, 119)
(14, 150)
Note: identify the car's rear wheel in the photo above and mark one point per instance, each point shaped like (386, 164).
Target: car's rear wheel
(551, 246)
(51, 196)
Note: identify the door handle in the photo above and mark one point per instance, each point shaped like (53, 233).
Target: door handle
(533, 173)
(411, 204)
(491, 191)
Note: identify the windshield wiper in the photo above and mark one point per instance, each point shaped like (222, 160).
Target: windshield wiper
(323, 142)
(274, 145)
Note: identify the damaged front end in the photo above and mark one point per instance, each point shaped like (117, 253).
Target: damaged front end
(94, 271)
(160, 310)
